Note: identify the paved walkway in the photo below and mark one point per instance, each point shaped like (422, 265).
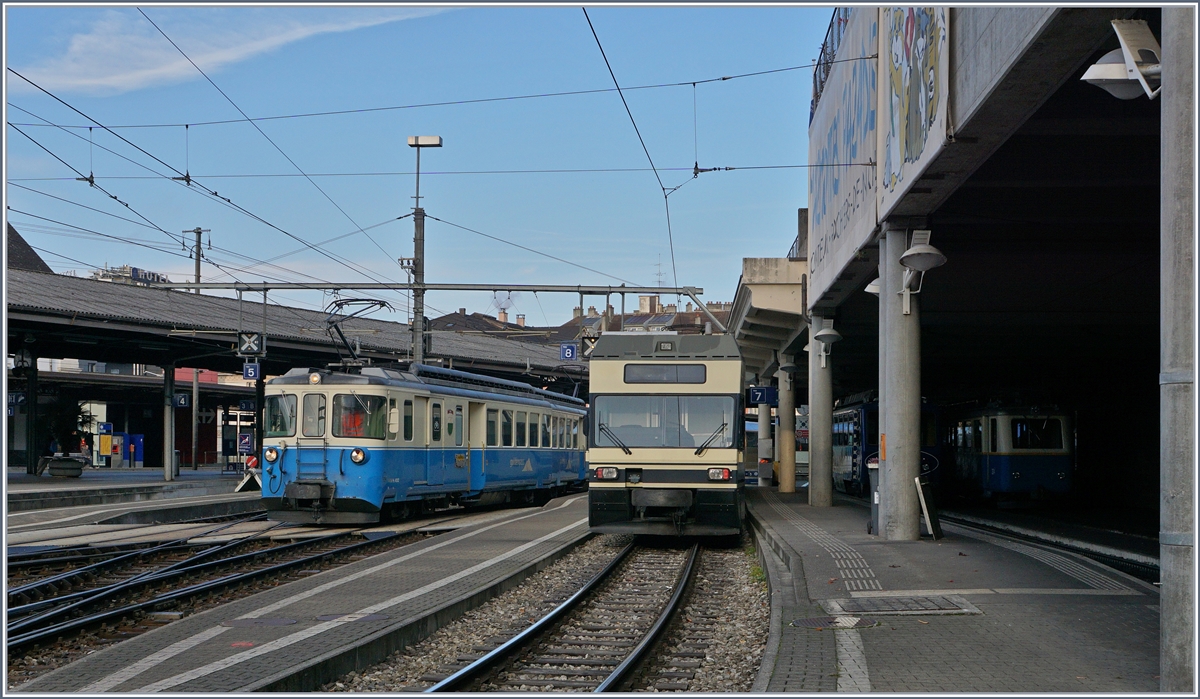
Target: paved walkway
(332, 622)
(968, 613)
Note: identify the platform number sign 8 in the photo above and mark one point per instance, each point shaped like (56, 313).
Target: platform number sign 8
(568, 351)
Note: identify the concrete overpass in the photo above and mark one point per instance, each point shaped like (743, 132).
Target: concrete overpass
(1065, 217)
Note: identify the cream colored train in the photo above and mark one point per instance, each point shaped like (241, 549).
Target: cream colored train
(665, 435)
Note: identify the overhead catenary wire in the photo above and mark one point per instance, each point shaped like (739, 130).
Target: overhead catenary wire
(533, 250)
(665, 193)
(264, 135)
(482, 100)
(202, 188)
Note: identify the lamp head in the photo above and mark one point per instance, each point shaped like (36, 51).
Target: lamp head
(922, 257)
(873, 287)
(827, 336)
(789, 367)
(425, 141)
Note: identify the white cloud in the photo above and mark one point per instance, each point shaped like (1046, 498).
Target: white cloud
(122, 52)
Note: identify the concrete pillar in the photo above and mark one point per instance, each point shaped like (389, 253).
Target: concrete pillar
(820, 421)
(1177, 378)
(877, 474)
(899, 509)
(764, 433)
(785, 438)
(169, 422)
(33, 446)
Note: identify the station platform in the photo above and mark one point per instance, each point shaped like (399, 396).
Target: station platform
(299, 635)
(122, 496)
(971, 612)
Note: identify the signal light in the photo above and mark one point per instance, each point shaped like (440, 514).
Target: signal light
(606, 473)
(719, 474)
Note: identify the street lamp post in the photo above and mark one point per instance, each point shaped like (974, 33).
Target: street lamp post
(418, 321)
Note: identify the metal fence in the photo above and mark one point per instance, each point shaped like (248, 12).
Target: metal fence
(829, 49)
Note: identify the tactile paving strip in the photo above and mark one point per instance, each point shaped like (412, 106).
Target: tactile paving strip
(834, 622)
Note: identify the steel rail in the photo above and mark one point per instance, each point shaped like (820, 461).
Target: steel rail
(634, 659)
(188, 565)
(111, 562)
(480, 667)
(53, 632)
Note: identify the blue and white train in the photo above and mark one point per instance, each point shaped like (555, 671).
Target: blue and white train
(1013, 453)
(352, 446)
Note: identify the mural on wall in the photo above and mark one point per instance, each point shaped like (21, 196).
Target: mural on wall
(914, 96)
(842, 150)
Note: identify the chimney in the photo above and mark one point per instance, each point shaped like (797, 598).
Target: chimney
(670, 308)
(689, 307)
(648, 304)
(578, 312)
(592, 312)
(462, 311)
(502, 315)
(521, 319)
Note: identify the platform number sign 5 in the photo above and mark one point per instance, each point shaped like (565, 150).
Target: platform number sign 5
(568, 351)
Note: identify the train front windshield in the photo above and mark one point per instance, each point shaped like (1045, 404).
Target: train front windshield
(663, 421)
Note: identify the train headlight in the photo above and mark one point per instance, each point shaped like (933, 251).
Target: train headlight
(358, 456)
(271, 454)
(314, 378)
(606, 473)
(719, 474)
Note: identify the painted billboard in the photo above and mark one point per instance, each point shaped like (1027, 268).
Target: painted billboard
(913, 97)
(842, 154)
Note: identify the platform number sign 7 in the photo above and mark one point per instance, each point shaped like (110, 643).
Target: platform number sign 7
(568, 351)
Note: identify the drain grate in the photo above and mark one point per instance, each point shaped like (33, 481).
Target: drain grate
(277, 621)
(834, 622)
(930, 604)
(355, 616)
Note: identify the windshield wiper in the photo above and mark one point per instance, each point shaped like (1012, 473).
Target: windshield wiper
(716, 433)
(613, 437)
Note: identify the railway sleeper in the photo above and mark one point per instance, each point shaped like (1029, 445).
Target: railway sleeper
(550, 683)
(574, 661)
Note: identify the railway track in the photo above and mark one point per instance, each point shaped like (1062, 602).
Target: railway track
(118, 609)
(596, 639)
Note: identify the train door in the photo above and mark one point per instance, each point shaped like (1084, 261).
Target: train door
(476, 431)
(434, 471)
(457, 459)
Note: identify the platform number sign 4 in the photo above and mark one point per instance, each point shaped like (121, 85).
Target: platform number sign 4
(251, 344)
(568, 351)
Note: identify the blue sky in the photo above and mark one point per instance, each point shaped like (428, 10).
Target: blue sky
(111, 64)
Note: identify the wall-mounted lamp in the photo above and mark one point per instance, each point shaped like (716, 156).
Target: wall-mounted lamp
(826, 336)
(918, 259)
(873, 287)
(1132, 70)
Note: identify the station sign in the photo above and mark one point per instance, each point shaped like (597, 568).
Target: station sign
(104, 428)
(182, 400)
(251, 371)
(14, 401)
(568, 351)
(251, 345)
(762, 395)
(246, 405)
(245, 443)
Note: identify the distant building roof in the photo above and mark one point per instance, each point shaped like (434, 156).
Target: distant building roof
(21, 256)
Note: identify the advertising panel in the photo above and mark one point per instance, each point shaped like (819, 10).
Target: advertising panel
(842, 152)
(913, 97)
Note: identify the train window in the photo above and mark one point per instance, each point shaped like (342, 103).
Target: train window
(992, 426)
(663, 421)
(534, 419)
(1036, 433)
(458, 426)
(521, 431)
(408, 420)
(554, 444)
(359, 416)
(977, 432)
(574, 434)
(281, 416)
(873, 428)
(506, 427)
(928, 431)
(968, 434)
(545, 430)
(314, 415)
(435, 422)
(563, 433)
(493, 431)
(665, 373)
